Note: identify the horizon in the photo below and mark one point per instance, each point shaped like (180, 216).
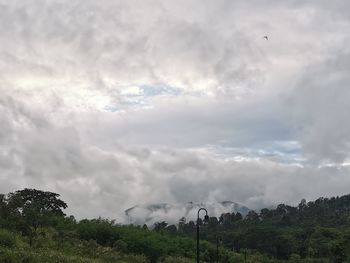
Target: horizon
(172, 214)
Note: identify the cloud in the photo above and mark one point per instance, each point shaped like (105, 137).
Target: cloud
(100, 182)
(104, 47)
(114, 103)
(320, 107)
(98, 174)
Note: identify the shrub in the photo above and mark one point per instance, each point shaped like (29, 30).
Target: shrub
(177, 260)
(7, 239)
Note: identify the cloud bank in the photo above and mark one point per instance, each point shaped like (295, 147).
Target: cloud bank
(115, 103)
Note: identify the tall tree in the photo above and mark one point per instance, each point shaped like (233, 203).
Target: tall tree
(34, 208)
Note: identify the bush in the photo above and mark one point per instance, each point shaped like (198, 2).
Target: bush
(177, 260)
(7, 239)
(121, 246)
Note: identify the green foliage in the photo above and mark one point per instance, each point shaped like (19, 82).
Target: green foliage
(7, 239)
(34, 229)
(177, 260)
(46, 249)
(29, 209)
(102, 231)
(30, 202)
(314, 231)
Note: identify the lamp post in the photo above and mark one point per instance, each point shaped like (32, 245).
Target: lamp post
(205, 218)
(218, 240)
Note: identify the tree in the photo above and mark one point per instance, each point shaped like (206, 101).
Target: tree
(39, 201)
(238, 217)
(34, 208)
(252, 215)
(265, 214)
(171, 229)
(4, 212)
(302, 205)
(3, 206)
(213, 222)
(159, 226)
(182, 223)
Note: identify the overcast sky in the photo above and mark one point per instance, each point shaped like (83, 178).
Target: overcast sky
(117, 103)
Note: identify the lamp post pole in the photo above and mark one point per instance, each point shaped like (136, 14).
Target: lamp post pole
(217, 249)
(206, 217)
(218, 240)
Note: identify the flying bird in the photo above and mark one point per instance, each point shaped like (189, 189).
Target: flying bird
(266, 37)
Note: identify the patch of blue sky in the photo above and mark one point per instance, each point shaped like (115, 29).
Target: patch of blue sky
(127, 104)
(279, 151)
(285, 147)
(141, 98)
(159, 90)
(112, 108)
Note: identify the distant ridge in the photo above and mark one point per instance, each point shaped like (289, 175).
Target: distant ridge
(171, 213)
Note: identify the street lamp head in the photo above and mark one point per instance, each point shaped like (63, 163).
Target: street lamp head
(206, 218)
(206, 214)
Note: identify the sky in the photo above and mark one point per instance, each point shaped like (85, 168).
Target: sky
(115, 103)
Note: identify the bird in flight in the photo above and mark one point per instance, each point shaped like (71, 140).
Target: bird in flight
(266, 37)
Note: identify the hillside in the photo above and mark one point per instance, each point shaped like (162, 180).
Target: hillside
(34, 229)
(171, 213)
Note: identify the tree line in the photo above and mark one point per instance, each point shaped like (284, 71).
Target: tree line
(35, 229)
(317, 229)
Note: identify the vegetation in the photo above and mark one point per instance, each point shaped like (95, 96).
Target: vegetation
(34, 229)
(318, 230)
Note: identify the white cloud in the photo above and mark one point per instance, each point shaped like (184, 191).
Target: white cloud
(115, 103)
(320, 108)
